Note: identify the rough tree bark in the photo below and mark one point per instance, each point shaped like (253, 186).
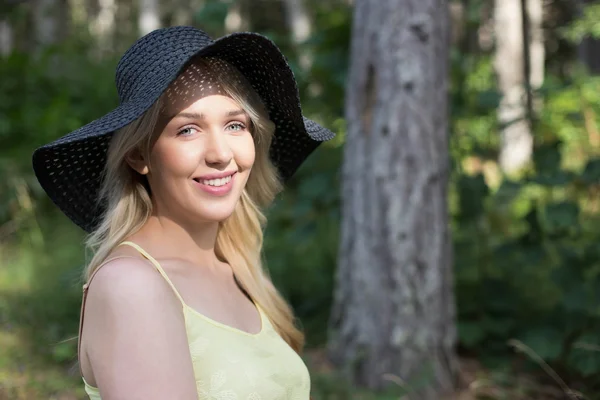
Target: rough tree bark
(394, 309)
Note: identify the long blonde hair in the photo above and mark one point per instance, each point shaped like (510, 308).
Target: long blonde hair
(126, 196)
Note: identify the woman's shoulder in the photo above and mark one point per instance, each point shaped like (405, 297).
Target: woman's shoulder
(133, 330)
(127, 280)
(128, 292)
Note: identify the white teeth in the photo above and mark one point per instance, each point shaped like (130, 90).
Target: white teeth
(217, 182)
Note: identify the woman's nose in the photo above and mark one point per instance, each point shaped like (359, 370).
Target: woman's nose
(218, 150)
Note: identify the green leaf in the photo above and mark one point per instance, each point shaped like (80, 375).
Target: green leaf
(500, 298)
(302, 208)
(498, 326)
(472, 192)
(213, 14)
(470, 333)
(553, 178)
(591, 173)
(585, 355)
(507, 192)
(535, 232)
(576, 299)
(566, 276)
(314, 186)
(584, 26)
(489, 99)
(64, 351)
(545, 342)
(561, 217)
(547, 158)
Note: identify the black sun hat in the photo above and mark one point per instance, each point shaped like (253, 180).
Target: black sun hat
(70, 168)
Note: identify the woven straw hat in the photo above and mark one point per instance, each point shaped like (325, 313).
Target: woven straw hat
(70, 168)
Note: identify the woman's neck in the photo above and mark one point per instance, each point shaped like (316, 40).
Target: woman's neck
(168, 238)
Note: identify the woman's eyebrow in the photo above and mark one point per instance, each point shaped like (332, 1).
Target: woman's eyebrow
(234, 113)
(188, 115)
(200, 116)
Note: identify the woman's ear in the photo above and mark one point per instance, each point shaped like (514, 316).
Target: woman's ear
(137, 161)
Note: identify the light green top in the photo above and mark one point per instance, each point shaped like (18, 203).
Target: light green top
(231, 364)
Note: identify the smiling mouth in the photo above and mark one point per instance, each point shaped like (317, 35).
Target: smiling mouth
(215, 182)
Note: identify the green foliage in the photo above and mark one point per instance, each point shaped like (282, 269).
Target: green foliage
(45, 96)
(211, 16)
(301, 241)
(322, 88)
(527, 260)
(44, 304)
(588, 25)
(474, 98)
(528, 264)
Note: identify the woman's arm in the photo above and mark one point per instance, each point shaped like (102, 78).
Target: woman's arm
(135, 335)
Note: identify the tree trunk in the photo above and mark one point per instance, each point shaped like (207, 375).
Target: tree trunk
(458, 22)
(393, 317)
(300, 28)
(236, 21)
(45, 21)
(537, 50)
(516, 138)
(149, 18)
(127, 24)
(51, 21)
(6, 37)
(103, 25)
(180, 12)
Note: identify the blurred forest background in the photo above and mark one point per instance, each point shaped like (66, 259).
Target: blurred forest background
(524, 193)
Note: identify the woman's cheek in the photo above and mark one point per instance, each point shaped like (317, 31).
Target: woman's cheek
(180, 160)
(245, 152)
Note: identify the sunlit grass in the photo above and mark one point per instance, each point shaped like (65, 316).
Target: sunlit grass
(24, 377)
(28, 279)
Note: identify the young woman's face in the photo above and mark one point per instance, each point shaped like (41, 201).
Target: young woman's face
(201, 161)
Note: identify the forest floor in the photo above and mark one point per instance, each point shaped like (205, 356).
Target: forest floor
(476, 383)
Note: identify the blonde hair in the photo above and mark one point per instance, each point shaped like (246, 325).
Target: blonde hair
(126, 196)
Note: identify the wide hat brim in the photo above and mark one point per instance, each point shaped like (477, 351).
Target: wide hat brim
(70, 169)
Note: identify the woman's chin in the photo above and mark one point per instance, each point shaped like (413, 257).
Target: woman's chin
(215, 214)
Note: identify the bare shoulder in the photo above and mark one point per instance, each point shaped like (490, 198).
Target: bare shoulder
(129, 293)
(129, 279)
(135, 333)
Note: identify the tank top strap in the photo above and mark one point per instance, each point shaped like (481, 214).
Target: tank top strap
(87, 284)
(146, 255)
(157, 266)
(83, 301)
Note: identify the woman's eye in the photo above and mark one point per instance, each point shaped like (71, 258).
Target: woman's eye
(186, 131)
(237, 126)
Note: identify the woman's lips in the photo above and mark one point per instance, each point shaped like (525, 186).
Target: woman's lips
(221, 190)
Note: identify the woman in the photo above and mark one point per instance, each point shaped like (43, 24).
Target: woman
(174, 181)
